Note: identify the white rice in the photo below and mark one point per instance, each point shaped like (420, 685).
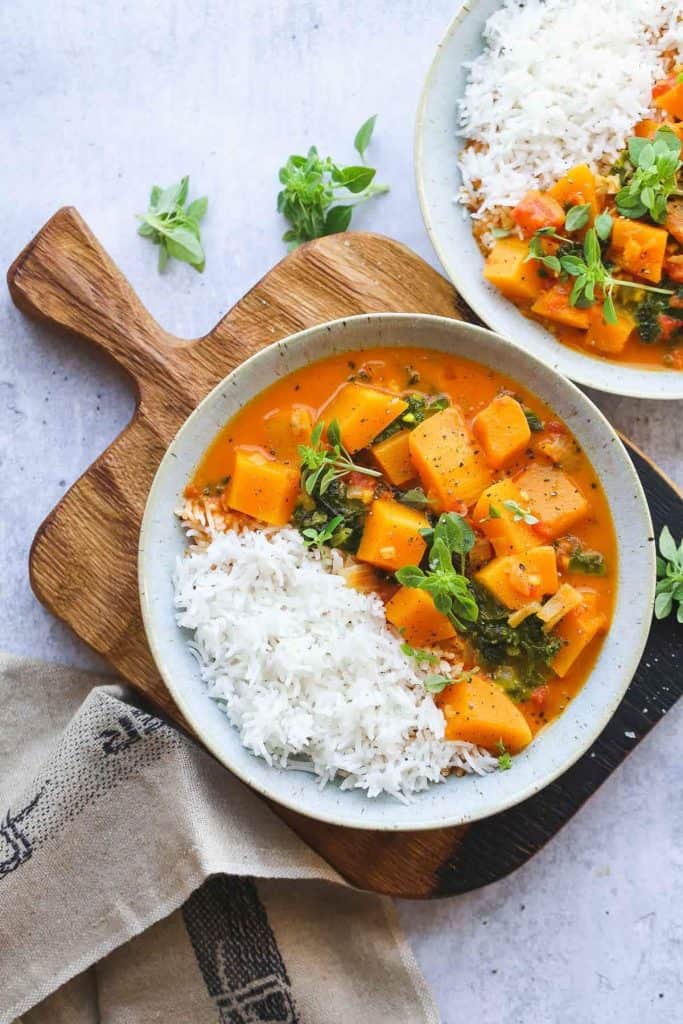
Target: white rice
(560, 82)
(307, 669)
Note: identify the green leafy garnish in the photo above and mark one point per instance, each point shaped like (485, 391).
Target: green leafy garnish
(592, 279)
(363, 136)
(449, 589)
(172, 227)
(420, 407)
(318, 538)
(322, 464)
(314, 511)
(535, 423)
(519, 514)
(577, 217)
(504, 758)
(318, 195)
(669, 589)
(415, 498)
(419, 655)
(603, 226)
(436, 683)
(587, 561)
(521, 655)
(656, 165)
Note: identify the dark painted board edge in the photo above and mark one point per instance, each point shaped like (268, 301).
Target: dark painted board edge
(497, 846)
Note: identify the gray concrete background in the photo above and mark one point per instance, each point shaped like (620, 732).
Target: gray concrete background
(98, 102)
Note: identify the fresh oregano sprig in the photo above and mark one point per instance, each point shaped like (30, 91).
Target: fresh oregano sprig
(669, 590)
(322, 464)
(592, 279)
(318, 195)
(449, 589)
(174, 228)
(654, 178)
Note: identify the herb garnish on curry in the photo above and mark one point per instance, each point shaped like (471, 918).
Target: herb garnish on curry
(457, 497)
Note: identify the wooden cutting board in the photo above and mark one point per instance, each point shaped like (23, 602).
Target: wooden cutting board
(83, 560)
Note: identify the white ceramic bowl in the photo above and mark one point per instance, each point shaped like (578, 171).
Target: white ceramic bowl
(456, 800)
(448, 223)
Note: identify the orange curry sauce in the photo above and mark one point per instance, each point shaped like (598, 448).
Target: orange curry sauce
(469, 386)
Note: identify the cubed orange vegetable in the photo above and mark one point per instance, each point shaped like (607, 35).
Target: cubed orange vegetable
(262, 488)
(537, 210)
(412, 612)
(479, 711)
(553, 497)
(286, 429)
(516, 580)
(576, 188)
(497, 521)
(638, 248)
(393, 459)
(451, 468)
(391, 537)
(502, 429)
(362, 413)
(509, 270)
(671, 101)
(606, 337)
(577, 629)
(553, 304)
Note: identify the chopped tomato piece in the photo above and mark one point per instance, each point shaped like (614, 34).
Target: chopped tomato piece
(537, 210)
(668, 325)
(674, 358)
(663, 85)
(674, 220)
(539, 695)
(647, 128)
(555, 427)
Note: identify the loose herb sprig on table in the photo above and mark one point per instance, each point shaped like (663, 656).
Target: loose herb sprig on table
(318, 195)
(449, 589)
(654, 177)
(321, 464)
(669, 589)
(174, 228)
(592, 279)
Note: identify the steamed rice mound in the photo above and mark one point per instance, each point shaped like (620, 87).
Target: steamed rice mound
(306, 667)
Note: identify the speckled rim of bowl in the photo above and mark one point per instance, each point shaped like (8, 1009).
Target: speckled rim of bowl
(457, 800)
(448, 225)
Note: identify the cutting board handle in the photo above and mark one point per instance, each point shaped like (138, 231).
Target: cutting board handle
(65, 278)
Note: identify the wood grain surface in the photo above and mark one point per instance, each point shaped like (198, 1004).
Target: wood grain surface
(83, 560)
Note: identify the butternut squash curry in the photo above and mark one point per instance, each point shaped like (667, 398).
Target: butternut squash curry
(598, 258)
(459, 498)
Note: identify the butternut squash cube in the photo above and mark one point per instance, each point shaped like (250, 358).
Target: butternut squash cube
(393, 459)
(362, 413)
(606, 337)
(671, 101)
(479, 711)
(576, 188)
(502, 430)
(391, 537)
(412, 612)
(578, 628)
(553, 304)
(450, 468)
(508, 269)
(553, 497)
(262, 488)
(497, 522)
(639, 249)
(517, 580)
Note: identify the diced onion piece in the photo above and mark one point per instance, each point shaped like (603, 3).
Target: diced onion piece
(518, 617)
(556, 607)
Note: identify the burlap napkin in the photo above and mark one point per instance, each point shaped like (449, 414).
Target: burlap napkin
(140, 881)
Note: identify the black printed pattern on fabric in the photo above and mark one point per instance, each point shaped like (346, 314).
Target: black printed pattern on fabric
(106, 743)
(237, 953)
